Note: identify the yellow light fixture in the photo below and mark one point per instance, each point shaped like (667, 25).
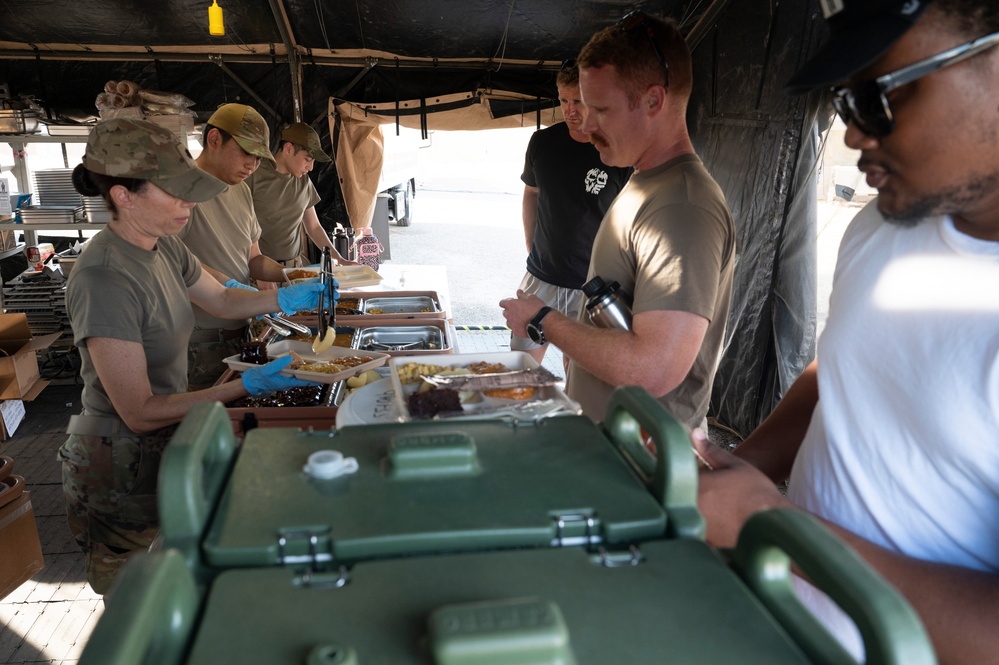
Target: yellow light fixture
(215, 25)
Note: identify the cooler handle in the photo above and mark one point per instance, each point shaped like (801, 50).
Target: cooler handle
(150, 615)
(192, 475)
(672, 475)
(6, 466)
(772, 539)
(11, 487)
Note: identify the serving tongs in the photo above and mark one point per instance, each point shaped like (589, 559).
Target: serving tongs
(406, 346)
(284, 327)
(326, 332)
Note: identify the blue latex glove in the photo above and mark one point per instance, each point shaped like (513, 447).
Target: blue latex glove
(233, 284)
(265, 379)
(304, 296)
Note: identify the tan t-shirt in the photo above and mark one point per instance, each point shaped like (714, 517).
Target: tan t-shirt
(121, 291)
(280, 200)
(669, 240)
(220, 233)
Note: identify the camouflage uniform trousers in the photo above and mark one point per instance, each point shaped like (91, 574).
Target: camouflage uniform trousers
(204, 358)
(110, 487)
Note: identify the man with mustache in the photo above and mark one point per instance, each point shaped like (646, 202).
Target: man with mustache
(668, 239)
(567, 190)
(892, 436)
(224, 234)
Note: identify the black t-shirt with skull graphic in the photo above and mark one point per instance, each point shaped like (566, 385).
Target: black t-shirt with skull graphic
(574, 191)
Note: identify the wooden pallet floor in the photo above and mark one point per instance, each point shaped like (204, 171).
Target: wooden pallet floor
(47, 619)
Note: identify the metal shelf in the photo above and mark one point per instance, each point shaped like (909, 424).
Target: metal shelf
(12, 252)
(43, 138)
(78, 226)
(20, 172)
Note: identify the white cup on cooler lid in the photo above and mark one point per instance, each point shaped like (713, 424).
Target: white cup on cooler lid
(328, 464)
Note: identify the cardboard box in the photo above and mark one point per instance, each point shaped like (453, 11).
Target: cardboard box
(19, 378)
(20, 549)
(8, 240)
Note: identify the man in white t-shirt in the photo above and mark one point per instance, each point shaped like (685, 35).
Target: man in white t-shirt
(892, 436)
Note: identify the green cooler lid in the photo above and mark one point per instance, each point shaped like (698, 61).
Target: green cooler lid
(557, 607)
(428, 487)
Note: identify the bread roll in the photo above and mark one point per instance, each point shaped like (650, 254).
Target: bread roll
(126, 89)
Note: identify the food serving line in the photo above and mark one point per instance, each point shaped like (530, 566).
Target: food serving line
(377, 317)
(385, 322)
(463, 512)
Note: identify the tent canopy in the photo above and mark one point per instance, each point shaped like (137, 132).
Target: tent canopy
(307, 59)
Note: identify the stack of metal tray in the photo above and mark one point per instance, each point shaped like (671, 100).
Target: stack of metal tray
(16, 121)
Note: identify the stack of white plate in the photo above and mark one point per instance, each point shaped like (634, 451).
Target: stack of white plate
(54, 187)
(96, 210)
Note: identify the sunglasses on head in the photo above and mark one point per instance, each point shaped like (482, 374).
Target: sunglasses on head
(567, 64)
(866, 104)
(638, 20)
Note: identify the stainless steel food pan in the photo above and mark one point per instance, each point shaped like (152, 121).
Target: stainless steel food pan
(399, 305)
(402, 338)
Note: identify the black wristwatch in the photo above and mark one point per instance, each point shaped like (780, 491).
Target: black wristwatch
(534, 330)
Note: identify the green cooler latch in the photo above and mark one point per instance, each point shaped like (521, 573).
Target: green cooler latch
(575, 529)
(301, 546)
(417, 456)
(515, 631)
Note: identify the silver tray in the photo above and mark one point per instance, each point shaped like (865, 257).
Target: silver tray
(399, 305)
(14, 121)
(401, 338)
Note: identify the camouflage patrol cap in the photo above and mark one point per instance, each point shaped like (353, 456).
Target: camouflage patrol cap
(303, 135)
(246, 126)
(129, 148)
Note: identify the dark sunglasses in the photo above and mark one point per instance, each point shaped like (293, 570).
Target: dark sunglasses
(866, 104)
(637, 20)
(567, 64)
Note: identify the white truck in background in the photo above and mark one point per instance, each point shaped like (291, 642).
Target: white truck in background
(397, 182)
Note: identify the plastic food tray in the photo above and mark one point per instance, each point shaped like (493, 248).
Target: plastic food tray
(377, 359)
(548, 400)
(347, 277)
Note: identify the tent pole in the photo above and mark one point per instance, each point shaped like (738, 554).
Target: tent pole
(707, 21)
(284, 27)
(242, 84)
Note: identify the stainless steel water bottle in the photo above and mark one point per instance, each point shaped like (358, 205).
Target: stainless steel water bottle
(607, 305)
(343, 240)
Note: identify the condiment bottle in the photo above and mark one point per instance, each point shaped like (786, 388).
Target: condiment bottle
(367, 248)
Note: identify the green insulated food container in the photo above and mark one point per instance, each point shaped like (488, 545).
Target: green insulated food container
(665, 601)
(419, 488)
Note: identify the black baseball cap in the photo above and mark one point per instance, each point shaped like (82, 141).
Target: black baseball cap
(860, 32)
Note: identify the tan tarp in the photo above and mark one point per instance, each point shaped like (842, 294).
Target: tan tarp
(361, 143)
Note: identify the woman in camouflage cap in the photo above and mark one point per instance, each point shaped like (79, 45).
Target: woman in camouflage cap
(129, 300)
